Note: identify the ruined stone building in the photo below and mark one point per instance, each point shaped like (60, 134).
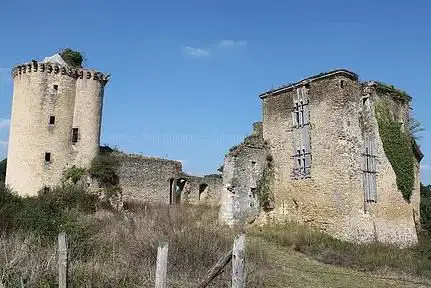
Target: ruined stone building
(55, 125)
(335, 153)
(156, 180)
(331, 151)
(55, 122)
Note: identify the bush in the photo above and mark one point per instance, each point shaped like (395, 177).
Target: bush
(47, 214)
(72, 58)
(3, 165)
(425, 208)
(104, 169)
(73, 174)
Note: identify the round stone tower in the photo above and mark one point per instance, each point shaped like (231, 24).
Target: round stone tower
(55, 123)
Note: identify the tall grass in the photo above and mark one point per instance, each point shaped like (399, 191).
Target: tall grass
(111, 249)
(365, 257)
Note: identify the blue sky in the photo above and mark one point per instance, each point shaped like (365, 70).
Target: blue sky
(186, 74)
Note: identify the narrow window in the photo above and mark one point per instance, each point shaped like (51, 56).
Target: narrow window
(56, 87)
(296, 124)
(301, 113)
(51, 120)
(47, 157)
(253, 166)
(341, 84)
(252, 197)
(301, 134)
(369, 170)
(74, 135)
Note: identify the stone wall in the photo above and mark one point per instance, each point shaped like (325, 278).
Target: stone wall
(42, 91)
(149, 179)
(242, 169)
(332, 197)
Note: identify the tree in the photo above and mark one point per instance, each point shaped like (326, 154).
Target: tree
(426, 207)
(3, 170)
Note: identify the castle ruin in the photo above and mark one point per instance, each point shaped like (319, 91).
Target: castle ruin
(55, 125)
(331, 152)
(326, 161)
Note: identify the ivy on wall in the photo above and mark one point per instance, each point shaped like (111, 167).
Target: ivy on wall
(264, 186)
(397, 145)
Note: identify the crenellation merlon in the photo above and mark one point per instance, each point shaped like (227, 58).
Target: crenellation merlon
(76, 73)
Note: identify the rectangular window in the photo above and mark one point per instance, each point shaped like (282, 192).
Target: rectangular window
(51, 120)
(55, 87)
(47, 157)
(369, 170)
(301, 134)
(74, 135)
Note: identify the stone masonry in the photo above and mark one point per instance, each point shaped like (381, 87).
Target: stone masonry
(242, 169)
(330, 169)
(156, 180)
(55, 123)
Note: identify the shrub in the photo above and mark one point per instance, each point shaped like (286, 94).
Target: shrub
(47, 214)
(3, 165)
(104, 169)
(425, 208)
(72, 58)
(74, 174)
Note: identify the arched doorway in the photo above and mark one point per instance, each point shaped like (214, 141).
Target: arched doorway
(176, 189)
(203, 191)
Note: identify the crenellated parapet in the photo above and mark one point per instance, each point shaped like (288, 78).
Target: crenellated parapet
(76, 73)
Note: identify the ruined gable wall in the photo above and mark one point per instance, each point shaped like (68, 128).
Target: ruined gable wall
(332, 199)
(243, 168)
(393, 217)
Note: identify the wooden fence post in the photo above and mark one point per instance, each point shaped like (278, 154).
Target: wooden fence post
(62, 260)
(162, 265)
(239, 274)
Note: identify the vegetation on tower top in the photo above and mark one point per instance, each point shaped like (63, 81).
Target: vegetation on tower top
(72, 58)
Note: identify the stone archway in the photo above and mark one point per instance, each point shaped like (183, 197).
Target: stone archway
(176, 190)
(203, 191)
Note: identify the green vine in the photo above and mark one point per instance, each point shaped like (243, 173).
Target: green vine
(264, 186)
(398, 148)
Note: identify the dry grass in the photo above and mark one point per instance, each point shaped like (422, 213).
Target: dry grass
(119, 250)
(375, 257)
(109, 249)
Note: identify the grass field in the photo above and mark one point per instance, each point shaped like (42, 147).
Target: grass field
(110, 249)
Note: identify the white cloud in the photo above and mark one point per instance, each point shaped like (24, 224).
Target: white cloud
(195, 52)
(425, 167)
(4, 123)
(231, 43)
